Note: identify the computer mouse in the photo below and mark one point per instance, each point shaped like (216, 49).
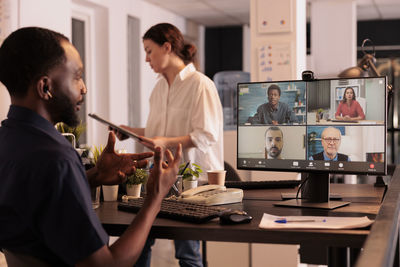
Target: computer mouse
(235, 217)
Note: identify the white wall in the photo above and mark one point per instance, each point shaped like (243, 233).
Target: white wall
(333, 36)
(55, 15)
(9, 18)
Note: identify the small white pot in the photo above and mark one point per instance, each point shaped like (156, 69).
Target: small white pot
(188, 184)
(110, 192)
(133, 190)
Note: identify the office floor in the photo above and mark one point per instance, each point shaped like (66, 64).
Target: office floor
(163, 255)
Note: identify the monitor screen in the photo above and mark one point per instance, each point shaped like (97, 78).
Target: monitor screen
(324, 126)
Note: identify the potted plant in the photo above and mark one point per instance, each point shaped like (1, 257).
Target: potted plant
(68, 131)
(190, 175)
(134, 182)
(320, 113)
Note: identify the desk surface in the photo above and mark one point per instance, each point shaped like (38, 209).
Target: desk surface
(359, 122)
(365, 201)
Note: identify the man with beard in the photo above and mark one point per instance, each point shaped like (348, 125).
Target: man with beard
(46, 212)
(273, 143)
(330, 140)
(273, 112)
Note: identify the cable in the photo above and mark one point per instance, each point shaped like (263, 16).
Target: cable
(301, 185)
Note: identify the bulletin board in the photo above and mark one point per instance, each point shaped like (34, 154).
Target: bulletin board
(274, 62)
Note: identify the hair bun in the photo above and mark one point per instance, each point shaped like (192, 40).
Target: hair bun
(189, 52)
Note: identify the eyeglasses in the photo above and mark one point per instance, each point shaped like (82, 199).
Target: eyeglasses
(331, 140)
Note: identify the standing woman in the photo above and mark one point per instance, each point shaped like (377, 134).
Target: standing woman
(184, 108)
(349, 108)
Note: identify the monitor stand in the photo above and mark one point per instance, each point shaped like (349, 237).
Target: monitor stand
(315, 194)
(332, 196)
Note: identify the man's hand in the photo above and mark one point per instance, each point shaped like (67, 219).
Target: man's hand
(113, 168)
(120, 135)
(162, 176)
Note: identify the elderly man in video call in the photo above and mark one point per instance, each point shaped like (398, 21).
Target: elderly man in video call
(330, 140)
(274, 112)
(273, 143)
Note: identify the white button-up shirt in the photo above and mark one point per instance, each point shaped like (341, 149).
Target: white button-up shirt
(190, 106)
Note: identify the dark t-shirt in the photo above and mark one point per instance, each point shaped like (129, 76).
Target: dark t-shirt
(45, 203)
(266, 114)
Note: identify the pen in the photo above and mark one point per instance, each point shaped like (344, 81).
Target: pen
(175, 188)
(299, 220)
(184, 169)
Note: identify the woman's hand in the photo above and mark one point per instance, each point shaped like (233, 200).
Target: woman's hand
(157, 141)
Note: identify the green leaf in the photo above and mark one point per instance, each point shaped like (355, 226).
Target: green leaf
(187, 176)
(194, 164)
(140, 176)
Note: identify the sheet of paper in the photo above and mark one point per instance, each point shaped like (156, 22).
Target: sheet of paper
(268, 221)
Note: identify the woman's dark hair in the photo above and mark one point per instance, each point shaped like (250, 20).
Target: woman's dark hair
(28, 54)
(165, 32)
(344, 94)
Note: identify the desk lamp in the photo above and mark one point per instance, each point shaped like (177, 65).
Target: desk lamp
(366, 68)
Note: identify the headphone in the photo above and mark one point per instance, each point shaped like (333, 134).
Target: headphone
(47, 91)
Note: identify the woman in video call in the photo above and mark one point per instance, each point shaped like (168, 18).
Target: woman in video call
(349, 108)
(184, 108)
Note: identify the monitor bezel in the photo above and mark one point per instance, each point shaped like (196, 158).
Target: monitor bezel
(300, 170)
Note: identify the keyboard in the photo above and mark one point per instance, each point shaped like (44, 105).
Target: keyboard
(349, 121)
(268, 184)
(177, 210)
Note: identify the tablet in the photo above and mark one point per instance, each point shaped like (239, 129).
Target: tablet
(112, 125)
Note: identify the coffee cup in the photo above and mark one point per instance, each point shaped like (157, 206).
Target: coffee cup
(216, 177)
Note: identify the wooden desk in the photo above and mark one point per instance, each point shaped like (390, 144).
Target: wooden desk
(365, 200)
(359, 122)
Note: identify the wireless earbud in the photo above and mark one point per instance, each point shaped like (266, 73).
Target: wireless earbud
(47, 91)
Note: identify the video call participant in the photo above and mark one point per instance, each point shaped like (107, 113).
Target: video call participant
(273, 143)
(330, 140)
(45, 205)
(349, 108)
(274, 112)
(184, 108)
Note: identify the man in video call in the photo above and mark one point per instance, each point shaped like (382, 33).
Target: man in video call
(330, 140)
(273, 143)
(274, 112)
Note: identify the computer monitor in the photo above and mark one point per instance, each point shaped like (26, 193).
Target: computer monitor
(316, 127)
